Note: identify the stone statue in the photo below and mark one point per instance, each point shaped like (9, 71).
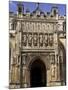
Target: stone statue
(50, 40)
(18, 27)
(12, 25)
(35, 39)
(46, 40)
(24, 39)
(53, 71)
(30, 39)
(41, 40)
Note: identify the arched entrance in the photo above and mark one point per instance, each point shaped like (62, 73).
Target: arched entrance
(37, 74)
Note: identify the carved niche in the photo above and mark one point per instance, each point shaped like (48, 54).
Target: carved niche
(30, 39)
(12, 25)
(50, 39)
(18, 27)
(35, 39)
(46, 39)
(52, 62)
(24, 39)
(52, 59)
(52, 71)
(41, 39)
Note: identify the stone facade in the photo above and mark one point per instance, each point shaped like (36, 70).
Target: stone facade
(37, 40)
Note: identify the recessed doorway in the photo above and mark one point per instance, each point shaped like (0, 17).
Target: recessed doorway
(38, 74)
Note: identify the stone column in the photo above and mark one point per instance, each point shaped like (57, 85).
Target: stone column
(24, 71)
(62, 73)
(57, 64)
(55, 72)
(52, 69)
(58, 68)
(17, 76)
(57, 81)
(16, 73)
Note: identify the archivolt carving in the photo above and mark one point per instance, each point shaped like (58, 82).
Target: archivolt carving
(34, 56)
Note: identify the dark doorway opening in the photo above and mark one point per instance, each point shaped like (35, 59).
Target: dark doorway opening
(38, 74)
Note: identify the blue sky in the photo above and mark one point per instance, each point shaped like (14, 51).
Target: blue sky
(45, 7)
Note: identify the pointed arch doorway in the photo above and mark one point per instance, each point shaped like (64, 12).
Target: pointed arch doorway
(38, 74)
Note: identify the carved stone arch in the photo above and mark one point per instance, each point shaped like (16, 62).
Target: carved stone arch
(38, 63)
(33, 59)
(62, 61)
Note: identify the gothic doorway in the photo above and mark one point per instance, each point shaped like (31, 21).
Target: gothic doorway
(37, 74)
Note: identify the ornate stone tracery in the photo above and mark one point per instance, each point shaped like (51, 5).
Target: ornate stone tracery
(33, 38)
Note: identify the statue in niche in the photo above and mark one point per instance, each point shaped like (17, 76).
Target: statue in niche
(50, 40)
(46, 40)
(18, 26)
(35, 40)
(12, 25)
(52, 57)
(24, 39)
(53, 70)
(30, 40)
(24, 59)
(41, 39)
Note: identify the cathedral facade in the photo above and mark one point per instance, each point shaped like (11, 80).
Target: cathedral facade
(37, 48)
